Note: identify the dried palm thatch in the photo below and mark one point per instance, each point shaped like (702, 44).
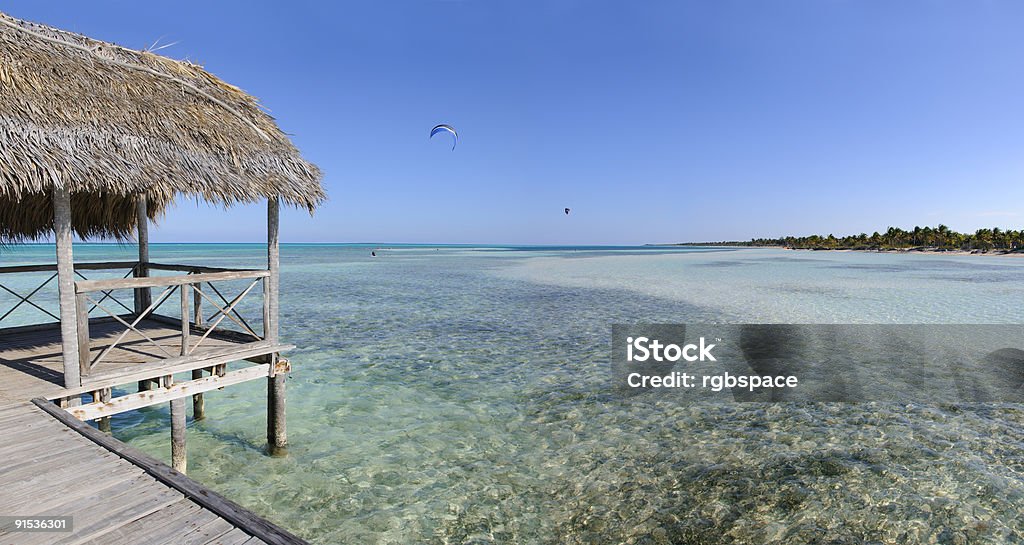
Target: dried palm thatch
(112, 124)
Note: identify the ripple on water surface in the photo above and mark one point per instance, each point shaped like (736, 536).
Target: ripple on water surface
(453, 396)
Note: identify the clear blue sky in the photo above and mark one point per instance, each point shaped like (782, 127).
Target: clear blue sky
(653, 121)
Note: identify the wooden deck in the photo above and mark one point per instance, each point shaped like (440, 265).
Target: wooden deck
(54, 464)
(34, 354)
(51, 469)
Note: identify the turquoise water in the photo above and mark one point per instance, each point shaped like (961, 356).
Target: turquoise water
(459, 395)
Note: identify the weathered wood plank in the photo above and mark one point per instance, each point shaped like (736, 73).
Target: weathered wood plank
(17, 490)
(57, 489)
(206, 533)
(193, 268)
(184, 526)
(47, 496)
(103, 512)
(234, 537)
(112, 265)
(208, 358)
(19, 463)
(34, 447)
(85, 286)
(129, 402)
(156, 527)
(51, 267)
(18, 408)
(22, 432)
(16, 411)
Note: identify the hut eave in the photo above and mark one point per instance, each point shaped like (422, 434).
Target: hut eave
(112, 124)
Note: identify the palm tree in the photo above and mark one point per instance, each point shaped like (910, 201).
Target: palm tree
(941, 235)
(983, 239)
(876, 239)
(927, 236)
(997, 237)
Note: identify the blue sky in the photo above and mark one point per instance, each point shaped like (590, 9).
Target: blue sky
(653, 121)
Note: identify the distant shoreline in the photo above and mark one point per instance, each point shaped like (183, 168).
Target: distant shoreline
(939, 251)
(919, 250)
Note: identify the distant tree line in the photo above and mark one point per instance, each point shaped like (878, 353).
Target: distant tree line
(894, 238)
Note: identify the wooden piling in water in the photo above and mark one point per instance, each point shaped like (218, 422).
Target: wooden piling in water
(277, 436)
(104, 423)
(198, 403)
(179, 451)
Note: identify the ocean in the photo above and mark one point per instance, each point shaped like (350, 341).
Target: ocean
(459, 394)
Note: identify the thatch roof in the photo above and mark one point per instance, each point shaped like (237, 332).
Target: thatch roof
(111, 124)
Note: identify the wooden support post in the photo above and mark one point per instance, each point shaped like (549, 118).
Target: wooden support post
(146, 385)
(66, 288)
(267, 320)
(197, 304)
(143, 296)
(271, 286)
(82, 312)
(179, 451)
(186, 329)
(104, 396)
(277, 436)
(198, 403)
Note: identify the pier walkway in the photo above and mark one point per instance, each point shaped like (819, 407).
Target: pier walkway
(54, 464)
(84, 341)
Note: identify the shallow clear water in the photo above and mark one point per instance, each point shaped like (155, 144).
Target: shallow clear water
(459, 395)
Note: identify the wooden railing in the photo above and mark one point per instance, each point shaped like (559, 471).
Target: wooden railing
(196, 289)
(24, 298)
(193, 288)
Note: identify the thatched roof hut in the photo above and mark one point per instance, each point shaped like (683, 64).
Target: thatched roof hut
(111, 125)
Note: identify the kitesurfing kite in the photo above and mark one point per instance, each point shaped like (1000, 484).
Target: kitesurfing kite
(448, 128)
(567, 211)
